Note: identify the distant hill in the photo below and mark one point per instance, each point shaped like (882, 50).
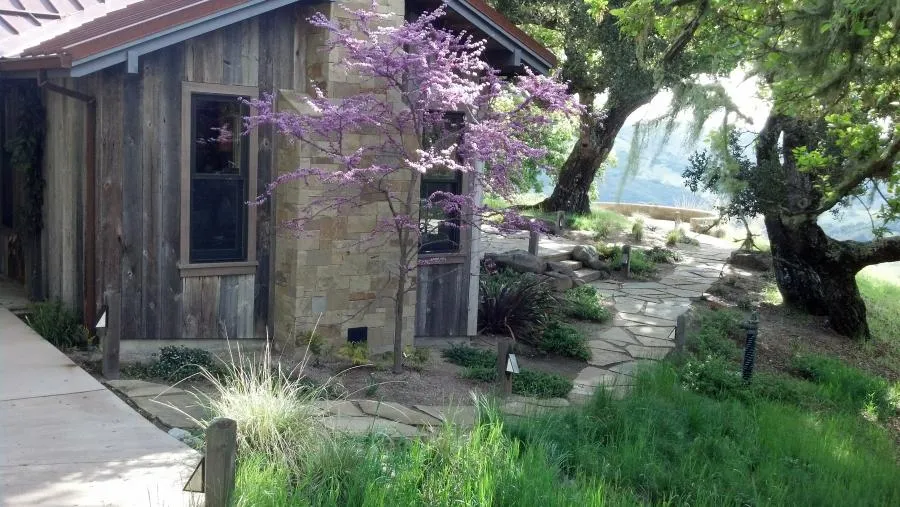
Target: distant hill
(659, 181)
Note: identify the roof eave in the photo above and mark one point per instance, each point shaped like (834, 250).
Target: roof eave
(32, 63)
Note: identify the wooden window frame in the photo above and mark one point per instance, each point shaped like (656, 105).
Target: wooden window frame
(186, 268)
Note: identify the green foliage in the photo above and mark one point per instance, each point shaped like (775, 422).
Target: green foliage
(637, 230)
(583, 302)
(357, 353)
(882, 307)
(600, 221)
(58, 324)
(564, 340)
(661, 255)
(463, 355)
(516, 305)
(844, 386)
(715, 335)
(311, 341)
(642, 265)
(677, 235)
(538, 384)
(416, 357)
(481, 365)
(175, 363)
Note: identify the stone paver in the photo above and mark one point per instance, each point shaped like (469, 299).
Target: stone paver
(343, 424)
(397, 412)
(461, 415)
(643, 326)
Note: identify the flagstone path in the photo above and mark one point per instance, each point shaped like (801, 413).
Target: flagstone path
(643, 326)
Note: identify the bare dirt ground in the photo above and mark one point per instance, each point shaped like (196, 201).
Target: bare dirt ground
(784, 332)
(437, 382)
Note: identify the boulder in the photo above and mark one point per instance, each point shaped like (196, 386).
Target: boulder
(519, 261)
(598, 265)
(585, 254)
(559, 267)
(755, 261)
(558, 281)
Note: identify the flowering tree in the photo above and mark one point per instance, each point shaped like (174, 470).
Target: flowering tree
(417, 73)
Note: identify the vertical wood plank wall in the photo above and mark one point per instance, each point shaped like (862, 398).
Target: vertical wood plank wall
(138, 183)
(442, 299)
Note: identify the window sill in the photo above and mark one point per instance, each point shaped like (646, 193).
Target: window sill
(434, 258)
(218, 269)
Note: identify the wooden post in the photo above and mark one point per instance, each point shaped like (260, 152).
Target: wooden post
(680, 332)
(219, 469)
(534, 238)
(626, 256)
(111, 335)
(504, 378)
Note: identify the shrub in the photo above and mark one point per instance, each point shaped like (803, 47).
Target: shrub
(541, 385)
(179, 362)
(311, 341)
(481, 365)
(584, 303)
(273, 408)
(463, 355)
(517, 305)
(355, 352)
(641, 264)
(637, 230)
(564, 340)
(58, 324)
(677, 235)
(661, 255)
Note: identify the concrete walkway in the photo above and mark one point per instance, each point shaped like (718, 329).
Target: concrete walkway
(67, 440)
(643, 327)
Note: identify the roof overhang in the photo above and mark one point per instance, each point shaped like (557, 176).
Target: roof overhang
(131, 51)
(480, 17)
(121, 46)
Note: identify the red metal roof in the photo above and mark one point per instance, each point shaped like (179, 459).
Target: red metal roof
(26, 23)
(53, 33)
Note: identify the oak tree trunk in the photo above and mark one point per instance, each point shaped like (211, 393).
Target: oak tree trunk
(814, 274)
(598, 134)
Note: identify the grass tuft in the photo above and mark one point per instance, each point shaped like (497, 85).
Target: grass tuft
(584, 303)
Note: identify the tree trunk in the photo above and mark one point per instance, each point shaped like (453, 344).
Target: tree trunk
(598, 134)
(814, 275)
(398, 322)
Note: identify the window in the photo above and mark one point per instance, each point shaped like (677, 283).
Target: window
(439, 231)
(218, 178)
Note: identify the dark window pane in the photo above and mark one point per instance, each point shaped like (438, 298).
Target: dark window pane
(218, 215)
(218, 145)
(440, 231)
(219, 163)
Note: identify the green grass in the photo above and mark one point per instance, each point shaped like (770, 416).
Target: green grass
(642, 265)
(691, 432)
(882, 306)
(58, 324)
(603, 222)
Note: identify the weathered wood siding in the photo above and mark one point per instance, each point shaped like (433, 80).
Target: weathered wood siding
(139, 183)
(442, 299)
(217, 306)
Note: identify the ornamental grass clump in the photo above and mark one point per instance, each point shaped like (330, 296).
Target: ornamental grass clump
(274, 407)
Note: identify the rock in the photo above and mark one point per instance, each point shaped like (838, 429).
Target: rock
(601, 266)
(559, 267)
(585, 254)
(519, 261)
(180, 434)
(756, 261)
(558, 281)
(398, 413)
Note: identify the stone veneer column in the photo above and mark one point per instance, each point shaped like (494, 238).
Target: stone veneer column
(324, 270)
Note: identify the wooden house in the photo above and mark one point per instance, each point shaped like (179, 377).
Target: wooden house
(110, 203)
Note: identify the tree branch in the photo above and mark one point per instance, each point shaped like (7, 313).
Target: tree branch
(862, 254)
(881, 165)
(687, 33)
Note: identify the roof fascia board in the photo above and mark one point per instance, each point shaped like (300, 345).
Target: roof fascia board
(131, 51)
(486, 25)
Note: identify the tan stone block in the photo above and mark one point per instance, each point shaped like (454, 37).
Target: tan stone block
(361, 223)
(361, 296)
(319, 257)
(337, 299)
